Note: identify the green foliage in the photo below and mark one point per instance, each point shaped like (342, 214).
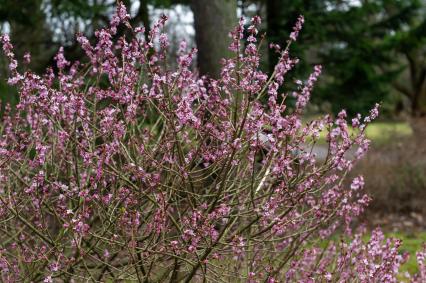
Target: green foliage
(168, 3)
(8, 95)
(78, 8)
(362, 46)
(361, 59)
(379, 132)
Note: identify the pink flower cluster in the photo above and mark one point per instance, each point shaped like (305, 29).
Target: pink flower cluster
(122, 169)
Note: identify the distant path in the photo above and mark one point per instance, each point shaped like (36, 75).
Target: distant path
(321, 151)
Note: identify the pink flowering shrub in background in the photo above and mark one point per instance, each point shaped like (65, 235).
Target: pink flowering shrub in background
(122, 169)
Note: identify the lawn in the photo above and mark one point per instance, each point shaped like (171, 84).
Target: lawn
(384, 131)
(411, 243)
(380, 132)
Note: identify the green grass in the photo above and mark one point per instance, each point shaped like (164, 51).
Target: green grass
(380, 132)
(411, 243)
(383, 132)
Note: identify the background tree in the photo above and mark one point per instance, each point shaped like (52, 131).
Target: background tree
(409, 45)
(30, 33)
(369, 49)
(41, 27)
(365, 60)
(213, 19)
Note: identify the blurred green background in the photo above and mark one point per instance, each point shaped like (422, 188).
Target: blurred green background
(371, 50)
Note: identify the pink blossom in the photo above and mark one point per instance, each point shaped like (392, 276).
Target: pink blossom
(159, 171)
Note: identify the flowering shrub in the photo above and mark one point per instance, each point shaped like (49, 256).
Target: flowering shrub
(121, 169)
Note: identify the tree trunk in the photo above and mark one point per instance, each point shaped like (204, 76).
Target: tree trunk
(141, 17)
(213, 20)
(281, 15)
(275, 25)
(418, 119)
(419, 97)
(32, 34)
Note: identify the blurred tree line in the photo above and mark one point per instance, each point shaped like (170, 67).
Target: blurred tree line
(372, 50)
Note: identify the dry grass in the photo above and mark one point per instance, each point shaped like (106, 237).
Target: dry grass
(395, 175)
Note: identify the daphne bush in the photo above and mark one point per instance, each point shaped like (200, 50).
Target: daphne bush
(121, 169)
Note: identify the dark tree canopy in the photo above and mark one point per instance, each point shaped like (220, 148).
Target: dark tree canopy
(368, 50)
